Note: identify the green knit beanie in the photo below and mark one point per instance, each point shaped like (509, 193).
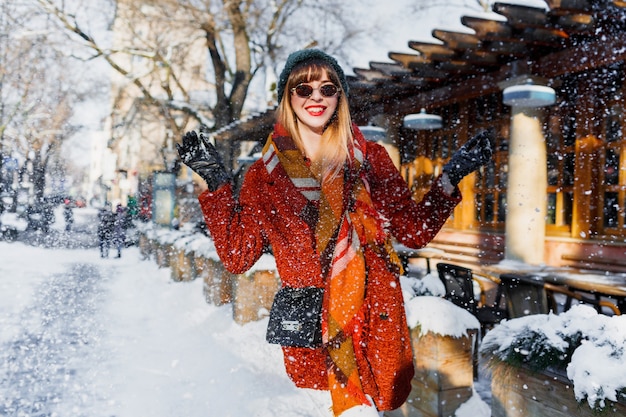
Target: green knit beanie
(303, 56)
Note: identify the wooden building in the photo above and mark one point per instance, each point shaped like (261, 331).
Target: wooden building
(576, 47)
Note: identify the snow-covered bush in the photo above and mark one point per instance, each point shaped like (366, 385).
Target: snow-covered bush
(429, 284)
(427, 309)
(589, 346)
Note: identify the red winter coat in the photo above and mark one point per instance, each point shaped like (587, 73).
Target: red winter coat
(268, 213)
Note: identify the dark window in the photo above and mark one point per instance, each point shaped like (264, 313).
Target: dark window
(501, 207)
(611, 167)
(568, 169)
(488, 207)
(614, 125)
(553, 169)
(611, 210)
(551, 209)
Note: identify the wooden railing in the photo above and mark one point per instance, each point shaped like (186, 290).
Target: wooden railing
(594, 262)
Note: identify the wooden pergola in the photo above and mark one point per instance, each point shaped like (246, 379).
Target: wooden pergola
(565, 37)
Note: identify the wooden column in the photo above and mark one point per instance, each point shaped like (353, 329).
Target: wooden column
(585, 192)
(527, 183)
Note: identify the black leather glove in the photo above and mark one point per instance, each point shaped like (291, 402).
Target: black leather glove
(471, 156)
(202, 157)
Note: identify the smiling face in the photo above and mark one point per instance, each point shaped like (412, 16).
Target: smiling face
(316, 116)
(315, 111)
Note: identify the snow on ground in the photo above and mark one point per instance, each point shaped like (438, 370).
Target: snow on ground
(154, 347)
(85, 336)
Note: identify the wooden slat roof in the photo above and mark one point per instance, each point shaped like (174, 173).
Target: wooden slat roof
(252, 128)
(528, 34)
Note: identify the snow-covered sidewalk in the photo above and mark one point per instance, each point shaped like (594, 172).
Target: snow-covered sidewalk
(84, 336)
(89, 337)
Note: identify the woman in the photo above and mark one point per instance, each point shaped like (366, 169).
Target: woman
(328, 203)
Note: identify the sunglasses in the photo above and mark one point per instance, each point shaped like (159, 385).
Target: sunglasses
(305, 90)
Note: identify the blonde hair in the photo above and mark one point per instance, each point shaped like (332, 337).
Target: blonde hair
(338, 132)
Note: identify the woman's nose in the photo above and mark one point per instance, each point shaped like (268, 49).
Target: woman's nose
(316, 95)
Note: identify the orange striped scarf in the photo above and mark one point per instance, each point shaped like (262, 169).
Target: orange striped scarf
(347, 221)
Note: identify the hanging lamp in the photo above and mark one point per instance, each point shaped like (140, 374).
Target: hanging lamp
(374, 133)
(528, 95)
(422, 121)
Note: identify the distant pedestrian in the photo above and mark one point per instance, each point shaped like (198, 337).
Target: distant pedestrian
(105, 231)
(119, 229)
(68, 215)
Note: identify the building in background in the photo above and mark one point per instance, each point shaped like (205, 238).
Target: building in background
(141, 133)
(555, 192)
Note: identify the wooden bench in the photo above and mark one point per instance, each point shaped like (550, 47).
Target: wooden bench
(595, 262)
(470, 254)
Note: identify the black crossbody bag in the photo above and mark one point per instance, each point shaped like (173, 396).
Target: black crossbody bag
(296, 314)
(296, 317)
